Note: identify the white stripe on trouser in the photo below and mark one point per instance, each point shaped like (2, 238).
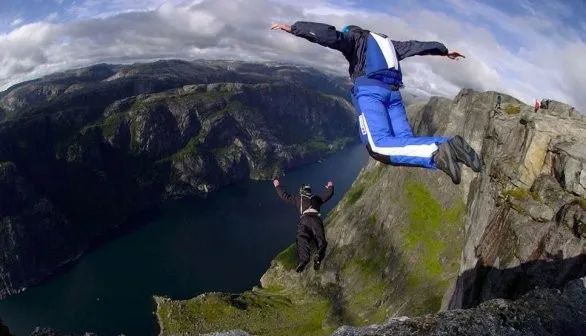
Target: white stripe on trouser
(424, 151)
(386, 46)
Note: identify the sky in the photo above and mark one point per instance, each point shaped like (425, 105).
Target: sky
(530, 49)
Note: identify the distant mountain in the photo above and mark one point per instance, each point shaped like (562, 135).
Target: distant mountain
(83, 151)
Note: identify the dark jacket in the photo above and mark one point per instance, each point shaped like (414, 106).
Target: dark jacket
(304, 203)
(353, 44)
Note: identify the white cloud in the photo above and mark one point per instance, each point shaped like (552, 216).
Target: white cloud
(546, 62)
(16, 22)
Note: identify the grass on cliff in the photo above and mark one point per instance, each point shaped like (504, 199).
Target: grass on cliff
(288, 257)
(366, 273)
(111, 124)
(108, 125)
(432, 241)
(366, 179)
(521, 194)
(259, 312)
(512, 109)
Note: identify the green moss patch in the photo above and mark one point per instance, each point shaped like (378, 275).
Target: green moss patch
(111, 124)
(258, 312)
(432, 242)
(288, 257)
(367, 284)
(354, 194)
(364, 181)
(512, 109)
(518, 193)
(372, 220)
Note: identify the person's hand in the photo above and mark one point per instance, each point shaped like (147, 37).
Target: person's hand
(330, 184)
(454, 55)
(281, 26)
(276, 183)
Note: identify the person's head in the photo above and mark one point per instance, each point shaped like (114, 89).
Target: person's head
(305, 189)
(350, 28)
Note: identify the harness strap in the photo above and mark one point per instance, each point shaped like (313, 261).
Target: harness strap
(309, 210)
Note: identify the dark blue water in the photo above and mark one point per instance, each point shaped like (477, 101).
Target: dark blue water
(223, 243)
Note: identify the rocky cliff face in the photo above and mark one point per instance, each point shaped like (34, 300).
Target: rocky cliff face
(526, 219)
(539, 312)
(84, 151)
(405, 241)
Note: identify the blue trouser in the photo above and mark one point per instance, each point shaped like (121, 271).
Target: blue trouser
(385, 128)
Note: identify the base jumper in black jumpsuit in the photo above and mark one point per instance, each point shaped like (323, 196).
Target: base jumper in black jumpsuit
(310, 226)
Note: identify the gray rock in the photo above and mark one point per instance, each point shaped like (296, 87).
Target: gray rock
(573, 216)
(536, 210)
(544, 312)
(539, 159)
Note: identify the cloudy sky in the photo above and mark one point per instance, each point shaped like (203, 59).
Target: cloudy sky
(527, 48)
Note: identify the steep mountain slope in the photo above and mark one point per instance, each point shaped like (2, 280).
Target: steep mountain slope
(406, 241)
(84, 151)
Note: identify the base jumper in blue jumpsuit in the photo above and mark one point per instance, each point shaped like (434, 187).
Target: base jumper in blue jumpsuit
(377, 77)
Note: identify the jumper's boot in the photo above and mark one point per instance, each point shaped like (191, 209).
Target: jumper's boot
(316, 263)
(464, 153)
(445, 161)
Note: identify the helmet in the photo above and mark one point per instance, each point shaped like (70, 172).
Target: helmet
(305, 189)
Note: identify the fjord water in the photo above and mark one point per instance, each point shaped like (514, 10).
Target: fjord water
(222, 243)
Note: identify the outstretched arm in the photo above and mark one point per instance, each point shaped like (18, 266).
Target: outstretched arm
(284, 195)
(320, 33)
(328, 193)
(406, 49)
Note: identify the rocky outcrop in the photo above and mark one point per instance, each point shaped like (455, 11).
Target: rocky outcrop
(83, 152)
(559, 109)
(524, 227)
(407, 242)
(540, 312)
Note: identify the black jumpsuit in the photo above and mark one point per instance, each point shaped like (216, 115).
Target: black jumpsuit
(310, 225)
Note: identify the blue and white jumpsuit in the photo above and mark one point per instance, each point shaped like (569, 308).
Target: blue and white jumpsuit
(376, 73)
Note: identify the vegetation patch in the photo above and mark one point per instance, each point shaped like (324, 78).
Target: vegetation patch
(111, 124)
(517, 193)
(189, 149)
(432, 242)
(354, 194)
(512, 109)
(367, 284)
(288, 257)
(259, 312)
(522, 194)
(366, 179)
